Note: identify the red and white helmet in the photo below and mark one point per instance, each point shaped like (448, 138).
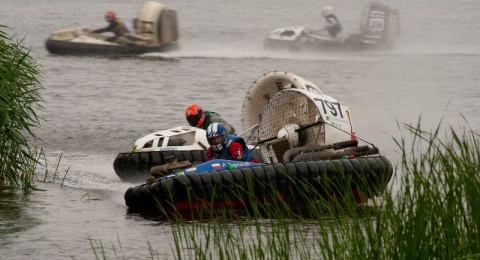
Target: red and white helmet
(110, 16)
(327, 10)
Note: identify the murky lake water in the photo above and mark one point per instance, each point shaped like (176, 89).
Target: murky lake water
(96, 108)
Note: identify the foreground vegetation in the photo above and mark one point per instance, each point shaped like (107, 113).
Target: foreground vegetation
(20, 100)
(431, 211)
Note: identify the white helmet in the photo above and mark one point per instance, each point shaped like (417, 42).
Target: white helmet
(327, 10)
(217, 136)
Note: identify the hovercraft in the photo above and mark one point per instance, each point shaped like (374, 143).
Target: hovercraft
(185, 143)
(190, 143)
(379, 29)
(155, 31)
(305, 138)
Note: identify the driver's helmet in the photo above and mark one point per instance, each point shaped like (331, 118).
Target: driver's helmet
(195, 115)
(327, 10)
(110, 16)
(217, 136)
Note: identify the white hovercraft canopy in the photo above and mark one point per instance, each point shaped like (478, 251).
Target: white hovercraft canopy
(282, 111)
(157, 23)
(259, 94)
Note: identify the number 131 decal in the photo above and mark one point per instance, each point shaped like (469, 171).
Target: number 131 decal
(334, 108)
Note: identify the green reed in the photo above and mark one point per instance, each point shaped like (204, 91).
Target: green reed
(20, 97)
(431, 212)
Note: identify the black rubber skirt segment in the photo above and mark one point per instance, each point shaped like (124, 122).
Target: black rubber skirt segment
(136, 166)
(86, 49)
(370, 173)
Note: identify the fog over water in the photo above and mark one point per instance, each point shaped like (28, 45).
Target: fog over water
(96, 108)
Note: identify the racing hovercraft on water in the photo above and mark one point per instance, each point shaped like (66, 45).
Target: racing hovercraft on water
(190, 143)
(379, 29)
(155, 31)
(307, 146)
(184, 143)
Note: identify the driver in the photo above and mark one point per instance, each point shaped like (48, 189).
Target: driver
(197, 117)
(332, 25)
(225, 145)
(115, 26)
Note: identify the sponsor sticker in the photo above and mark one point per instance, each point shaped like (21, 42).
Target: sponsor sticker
(191, 169)
(216, 166)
